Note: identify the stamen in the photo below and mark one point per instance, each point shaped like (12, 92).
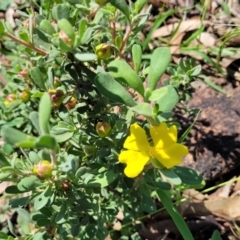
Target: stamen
(152, 152)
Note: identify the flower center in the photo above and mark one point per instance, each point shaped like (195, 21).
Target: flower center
(152, 152)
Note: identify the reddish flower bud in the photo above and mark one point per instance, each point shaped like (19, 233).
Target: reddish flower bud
(23, 73)
(56, 96)
(103, 129)
(43, 169)
(11, 97)
(71, 103)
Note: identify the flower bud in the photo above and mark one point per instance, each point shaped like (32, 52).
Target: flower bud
(103, 129)
(24, 96)
(43, 169)
(11, 97)
(23, 73)
(57, 96)
(89, 150)
(71, 103)
(65, 185)
(57, 82)
(65, 38)
(103, 51)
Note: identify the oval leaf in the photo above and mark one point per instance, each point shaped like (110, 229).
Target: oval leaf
(122, 72)
(113, 90)
(137, 56)
(37, 77)
(122, 6)
(44, 113)
(160, 59)
(168, 101)
(143, 109)
(85, 57)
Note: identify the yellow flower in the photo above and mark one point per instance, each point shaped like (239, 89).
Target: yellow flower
(165, 148)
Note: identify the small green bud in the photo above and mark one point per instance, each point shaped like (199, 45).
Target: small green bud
(25, 96)
(103, 129)
(57, 82)
(89, 150)
(43, 169)
(103, 51)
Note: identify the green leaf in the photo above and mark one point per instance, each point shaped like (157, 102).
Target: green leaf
(37, 77)
(24, 214)
(47, 27)
(82, 28)
(160, 60)
(171, 176)
(14, 190)
(122, 6)
(102, 180)
(3, 160)
(64, 136)
(137, 56)
(188, 175)
(43, 222)
(185, 134)
(67, 28)
(15, 137)
(113, 90)
(34, 157)
(213, 85)
(34, 117)
(139, 4)
(41, 200)
(44, 113)
(46, 141)
(27, 183)
(143, 109)
(60, 11)
(3, 236)
(62, 215)
(176, 216)
(158, 93)
(19, 202)
(216, 236)
(147, 204)
(1, 29)
(122, 72)
(85, 57)
(168, 101)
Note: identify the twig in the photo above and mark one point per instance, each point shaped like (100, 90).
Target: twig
(29, 45)
(125, 38)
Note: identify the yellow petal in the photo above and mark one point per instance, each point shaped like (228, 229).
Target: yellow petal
(162, 136)
(135, 162)
(171, 156)
(137, 140)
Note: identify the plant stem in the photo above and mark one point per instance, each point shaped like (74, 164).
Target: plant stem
(29, 45)
(125, 38)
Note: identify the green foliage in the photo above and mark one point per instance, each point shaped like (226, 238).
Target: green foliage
(67, 181)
